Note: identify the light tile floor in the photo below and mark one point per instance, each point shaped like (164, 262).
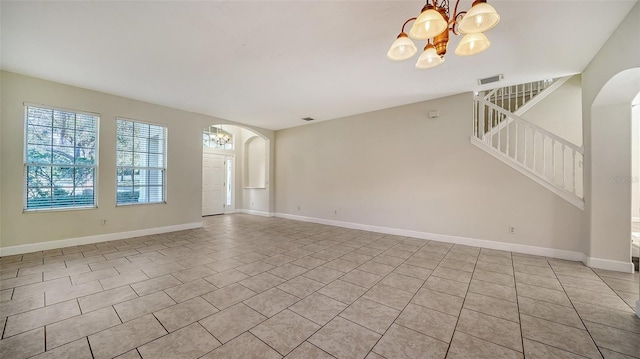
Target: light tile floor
(254, 287)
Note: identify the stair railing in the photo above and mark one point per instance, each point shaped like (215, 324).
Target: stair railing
(534, 151)
(511, 98)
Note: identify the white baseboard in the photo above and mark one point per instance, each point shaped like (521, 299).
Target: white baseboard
(42, 246)
(511, 247)
(626, 267)
(253, 212)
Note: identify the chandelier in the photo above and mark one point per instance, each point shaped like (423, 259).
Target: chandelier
(434, 24)
(221, 137)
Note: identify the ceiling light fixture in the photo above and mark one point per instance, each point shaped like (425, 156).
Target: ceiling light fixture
(433, 24)
(221, 137)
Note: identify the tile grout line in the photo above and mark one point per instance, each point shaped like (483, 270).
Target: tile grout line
(455, 328)
(90, 348)
(613, 290)
(577, 313)
(412, 297)
(515, 287)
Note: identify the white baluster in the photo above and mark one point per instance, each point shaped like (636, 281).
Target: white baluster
(564, 174)
(573, 154)
(481, 122)
(524, 137)
(508, 143)
(530, 91)
(544, 156)
(502, 119)
(474, 132)
(553, 159)
(533, 151)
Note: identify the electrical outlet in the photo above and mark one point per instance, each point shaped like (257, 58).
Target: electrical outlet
(298, 208)
(104, 222)
(335, 212)
(512, 230)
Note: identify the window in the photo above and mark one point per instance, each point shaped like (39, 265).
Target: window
(60, 158)
(141, 161)
(216, 137)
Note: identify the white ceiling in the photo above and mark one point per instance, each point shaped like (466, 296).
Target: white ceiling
(269, 63)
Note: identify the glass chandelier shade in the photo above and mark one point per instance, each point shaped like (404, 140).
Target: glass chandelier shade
(472, 44)
(429, 58)
(480, 18)
(401, 49)
(428, 24)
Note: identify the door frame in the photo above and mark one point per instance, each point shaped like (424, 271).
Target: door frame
(213, 157)
(230, 208)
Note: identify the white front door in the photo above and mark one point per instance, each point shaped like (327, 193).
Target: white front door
(213, 184)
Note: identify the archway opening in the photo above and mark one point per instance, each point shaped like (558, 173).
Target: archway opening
(235, 170)
(612, 168)
(635, 182)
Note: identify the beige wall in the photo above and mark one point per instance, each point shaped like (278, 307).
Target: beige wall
(561, 111)
(397, 168)
(255, 169)
(184, 165)
(608, 144)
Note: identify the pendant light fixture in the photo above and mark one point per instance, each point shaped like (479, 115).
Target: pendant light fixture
(434, 24)
(220, 137)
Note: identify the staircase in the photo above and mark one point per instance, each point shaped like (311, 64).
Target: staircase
(546, 158)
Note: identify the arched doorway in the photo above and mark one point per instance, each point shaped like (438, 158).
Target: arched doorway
(233, 157)
(611, 169)
(635, 181)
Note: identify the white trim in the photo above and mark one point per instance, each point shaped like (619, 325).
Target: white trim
(531, 125)
(511, 247)
(528, 105)
(569, 197)
(635, 219)
(63, 109)
(626, 267)
(254, 212)
(541, 95)
(617, 266)
(34, 247)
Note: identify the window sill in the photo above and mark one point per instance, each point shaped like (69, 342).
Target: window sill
(48, 210)
(138, 204)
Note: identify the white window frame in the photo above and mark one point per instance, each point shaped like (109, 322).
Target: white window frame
(208, 133)
(27, 164)
(162, 169)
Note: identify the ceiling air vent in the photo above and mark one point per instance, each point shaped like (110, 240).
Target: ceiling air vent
(491, 79)
(307, 119)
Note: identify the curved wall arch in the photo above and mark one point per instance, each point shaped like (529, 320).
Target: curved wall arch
(611, 168)
(253, 198)
(607, 135)
(255, 161)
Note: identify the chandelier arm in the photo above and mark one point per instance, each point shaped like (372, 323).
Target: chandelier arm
(406, 22)
(455, 10)
(454, 22)
(443, 4)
